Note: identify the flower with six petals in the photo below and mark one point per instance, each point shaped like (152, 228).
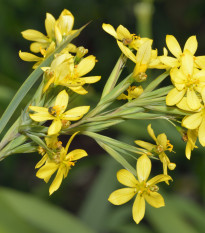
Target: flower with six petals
(62, 163)
(146, 190)
(57, 113)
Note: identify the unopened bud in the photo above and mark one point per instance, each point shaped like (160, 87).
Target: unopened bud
(141, 77)
(81, 51)
(154, 188)
(171, 166)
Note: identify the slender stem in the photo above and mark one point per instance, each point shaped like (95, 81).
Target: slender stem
(112, 80)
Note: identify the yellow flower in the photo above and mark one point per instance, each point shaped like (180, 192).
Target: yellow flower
(162, 145)
(132, 93)
(191, 140)
(64, 25)
(71, 75)
(57, 113)
(50, 72)
(62, 163)
(144, 59)
(53, 144)
(122, 34)
(145, 190)
(56, 30)
(195, 122)
(187, 81)
(33, 58)
(174, 47)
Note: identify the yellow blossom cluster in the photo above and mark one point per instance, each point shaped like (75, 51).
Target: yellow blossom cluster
(67, 70)
(188, 77)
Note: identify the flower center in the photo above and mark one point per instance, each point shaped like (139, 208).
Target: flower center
(191, 82)
(55, 110)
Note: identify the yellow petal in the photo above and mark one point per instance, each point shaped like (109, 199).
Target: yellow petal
(47, 170)
(203, 94)
(121, 196)
(154, 199)
(60, 59)
(177, 76)
(29, 57)
(69, 141)
(143, 168)
(127, 51)
(75, 114)
(200, 61)
(201, 132)
(38, 109)
(123, 33)
(127, 178)
(192, 137)
(37, 46)
(193, 121)
(173, 46)
(162, 140)
(56, 182)
(165, 161)
(174, 96)
(41, 116)
(200, 74)
(47, 85)
(34, 35)
(79, 90)
(50, 25)
(85, 65)
(42, 161)
(138, 209)
(55, 127)
(188, 150)
(191, 44)
(145, 145)
(65, 22)
(76, 155)
(183, 104)
(158, 179)
(144, 52)
(169, 61)
(109, 29)
(91, 79)
(187, 63)
(151, 132)
(62, 100)
(193, 100)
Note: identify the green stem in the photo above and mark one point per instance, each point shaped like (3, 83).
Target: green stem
(113, 78)
(114, 142)
(119, 158)
(11, 145)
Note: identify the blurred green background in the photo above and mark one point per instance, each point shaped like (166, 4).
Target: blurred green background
(81, 205)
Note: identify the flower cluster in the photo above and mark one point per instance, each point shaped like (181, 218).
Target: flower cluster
(64, 69)
(188, 77)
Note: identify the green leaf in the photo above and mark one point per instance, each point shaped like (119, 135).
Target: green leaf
(112, 80)
(39, 142)
(156, 82)
(118, 157)
(39, 214)
(30, 81)
(168, 110)
(113, 142)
